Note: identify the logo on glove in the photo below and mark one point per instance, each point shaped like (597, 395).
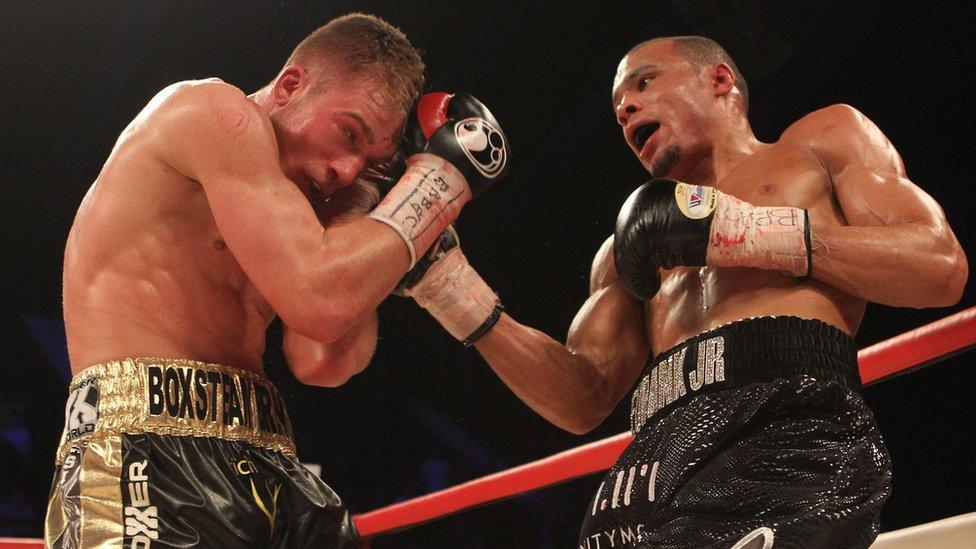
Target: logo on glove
(483, 144)
(695, 201)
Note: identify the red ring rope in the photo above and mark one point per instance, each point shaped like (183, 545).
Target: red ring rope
(899, 355)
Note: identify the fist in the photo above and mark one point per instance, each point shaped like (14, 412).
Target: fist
(461, 130)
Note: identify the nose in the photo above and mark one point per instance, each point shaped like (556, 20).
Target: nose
(627, 106)
(346, 168)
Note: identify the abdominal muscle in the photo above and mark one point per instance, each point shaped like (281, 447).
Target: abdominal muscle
(693, 300)
(147, 274)
(157, 313)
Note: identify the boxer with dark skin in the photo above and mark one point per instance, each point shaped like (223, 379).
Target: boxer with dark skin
(874, 236)
(877, 237)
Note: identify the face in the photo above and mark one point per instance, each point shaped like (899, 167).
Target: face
(327, 136)
(662, 105)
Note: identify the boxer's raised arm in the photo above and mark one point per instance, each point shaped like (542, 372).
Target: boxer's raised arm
(321, 282)
(576, 385)
(898, 248)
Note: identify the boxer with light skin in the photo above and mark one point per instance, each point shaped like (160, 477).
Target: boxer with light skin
(215, 212)
(678, 284)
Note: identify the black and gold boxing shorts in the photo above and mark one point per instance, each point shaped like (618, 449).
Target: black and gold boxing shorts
(160, 452)
(752, 435)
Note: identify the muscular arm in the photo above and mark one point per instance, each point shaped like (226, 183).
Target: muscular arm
(576, 385)
(334, 363)
(898, 248)
(331, 364)
(322, 282)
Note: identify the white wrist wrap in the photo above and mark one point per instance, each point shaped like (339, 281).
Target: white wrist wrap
(743, 235)
(424, 202)
(454, 294)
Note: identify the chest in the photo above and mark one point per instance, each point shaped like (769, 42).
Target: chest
(783, 176)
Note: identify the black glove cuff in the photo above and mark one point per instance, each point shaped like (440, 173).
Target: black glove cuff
(808, 240)
(489, 322)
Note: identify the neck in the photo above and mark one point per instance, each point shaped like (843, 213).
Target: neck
(262, 97)
(730, 145)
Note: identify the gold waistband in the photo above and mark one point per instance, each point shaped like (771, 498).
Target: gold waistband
(176, 397)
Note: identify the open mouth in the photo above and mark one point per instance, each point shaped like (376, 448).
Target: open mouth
(643, 133)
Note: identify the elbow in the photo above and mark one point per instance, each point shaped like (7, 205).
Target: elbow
(578, 427)
(328, 369)
(588, 413)
(956, 276)
(324, 376)
(949, 280)
(583, 423)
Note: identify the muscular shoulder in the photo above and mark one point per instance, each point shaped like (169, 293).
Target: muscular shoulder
(838, 134)
(603, 271)
(831, 120)
(197, 104)
(203, 123)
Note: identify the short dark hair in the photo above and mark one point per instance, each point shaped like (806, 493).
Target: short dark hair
(702, 52)
(367, 46)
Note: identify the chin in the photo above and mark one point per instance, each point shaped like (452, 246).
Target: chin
(664, 163)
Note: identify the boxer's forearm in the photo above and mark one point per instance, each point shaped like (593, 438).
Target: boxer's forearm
(905, 265)
(355, 268)
(577, 385)
(331, 364)
(565, 388)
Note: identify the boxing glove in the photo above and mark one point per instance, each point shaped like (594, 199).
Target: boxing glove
(465, 152)
(666, 224)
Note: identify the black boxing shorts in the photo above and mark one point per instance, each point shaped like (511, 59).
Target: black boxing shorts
(181, 453)
(750, 435)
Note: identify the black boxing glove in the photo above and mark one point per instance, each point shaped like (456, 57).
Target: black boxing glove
(465, 153)
(666, 224)
(639, 275)
(461, 130)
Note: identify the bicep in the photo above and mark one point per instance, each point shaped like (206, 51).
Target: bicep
(868, 174)
(609, 329)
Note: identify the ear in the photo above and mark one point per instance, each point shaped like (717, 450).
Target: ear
(290, 82)
(722, 78)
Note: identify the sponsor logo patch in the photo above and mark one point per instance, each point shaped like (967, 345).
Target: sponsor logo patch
(695, 201)
(760, 538)
(141, 517)
(81, 410)
(268, 504)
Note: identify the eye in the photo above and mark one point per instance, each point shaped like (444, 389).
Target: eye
(350, 135)
(644, 82)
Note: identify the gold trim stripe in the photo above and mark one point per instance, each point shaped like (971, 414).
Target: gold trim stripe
(185, 398)
(101, 497)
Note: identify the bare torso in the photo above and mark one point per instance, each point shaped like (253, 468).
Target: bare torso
(146, 272)
(693, 300)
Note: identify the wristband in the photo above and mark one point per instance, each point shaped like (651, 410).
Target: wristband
(808, 239)
(489, 322)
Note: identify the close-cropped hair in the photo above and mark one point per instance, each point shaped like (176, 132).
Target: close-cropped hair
(703, 52)
(368, 47)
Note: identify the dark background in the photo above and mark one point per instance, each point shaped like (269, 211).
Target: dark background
(427, 413)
